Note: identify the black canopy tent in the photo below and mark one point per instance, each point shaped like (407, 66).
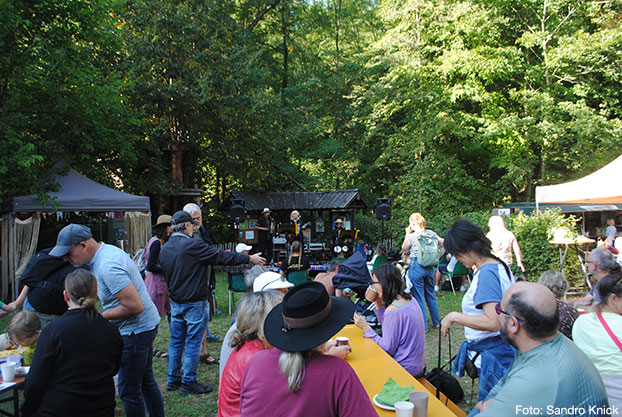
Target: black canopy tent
(78, 193)
(75, 192)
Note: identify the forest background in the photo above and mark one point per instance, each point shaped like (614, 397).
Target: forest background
(447, 107)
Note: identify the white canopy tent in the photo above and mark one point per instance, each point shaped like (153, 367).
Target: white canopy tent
(600, 187)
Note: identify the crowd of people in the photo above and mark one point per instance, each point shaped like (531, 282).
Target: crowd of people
(531, 349)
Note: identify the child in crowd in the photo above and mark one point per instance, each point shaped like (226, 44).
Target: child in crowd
(24, 329)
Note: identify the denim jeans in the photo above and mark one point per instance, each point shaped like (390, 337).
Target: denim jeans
(423, 289)
(137, 385)
(188, 324)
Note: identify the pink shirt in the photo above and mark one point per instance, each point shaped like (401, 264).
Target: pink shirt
(330, 388)
(231, 379)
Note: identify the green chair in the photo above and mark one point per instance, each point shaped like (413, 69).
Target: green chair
(459, 271)
(380, 260)
(298, 277)
(236, 284)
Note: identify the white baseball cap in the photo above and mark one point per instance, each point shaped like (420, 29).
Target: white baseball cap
(241, 247)
(270, 281)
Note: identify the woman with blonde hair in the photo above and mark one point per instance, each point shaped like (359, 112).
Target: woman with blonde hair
(296, 261)
(298, 378)
(247, 339)
(420, 273)
(76, 358)
(503, 242)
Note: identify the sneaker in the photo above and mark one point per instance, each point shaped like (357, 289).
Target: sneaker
(436, 289)
(173, 386)
(194, 388)
(462, 288)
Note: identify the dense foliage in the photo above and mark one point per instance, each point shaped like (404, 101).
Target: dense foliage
(448, 107)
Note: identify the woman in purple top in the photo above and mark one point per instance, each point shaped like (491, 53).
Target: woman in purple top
(297, 378)
(403, 331)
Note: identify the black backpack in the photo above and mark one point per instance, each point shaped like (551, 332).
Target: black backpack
(45, 277)
(444, 381)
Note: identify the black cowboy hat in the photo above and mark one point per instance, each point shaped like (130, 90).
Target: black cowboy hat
(306, 318)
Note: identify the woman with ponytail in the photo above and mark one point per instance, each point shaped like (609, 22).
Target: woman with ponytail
(599, 334)
(76, 358)
(484, 345)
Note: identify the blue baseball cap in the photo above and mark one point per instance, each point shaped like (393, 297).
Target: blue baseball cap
(69, 236)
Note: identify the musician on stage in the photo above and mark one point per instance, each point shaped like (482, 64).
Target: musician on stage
(265, 229)
(296, 220)
(334, 237)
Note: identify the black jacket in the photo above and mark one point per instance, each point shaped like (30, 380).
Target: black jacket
(73, 367)
(184, 261)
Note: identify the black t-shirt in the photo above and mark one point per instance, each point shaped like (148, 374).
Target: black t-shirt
(297, 264)
(263, 235)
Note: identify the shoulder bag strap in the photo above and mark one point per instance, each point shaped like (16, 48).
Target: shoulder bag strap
(608, 329)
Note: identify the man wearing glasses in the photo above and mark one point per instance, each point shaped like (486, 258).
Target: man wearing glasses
(550, 375)
(184, 261)
(598, 262)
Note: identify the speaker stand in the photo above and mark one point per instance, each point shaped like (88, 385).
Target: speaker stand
(382, 233)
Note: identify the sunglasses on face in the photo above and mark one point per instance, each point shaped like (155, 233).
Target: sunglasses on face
(499, 312)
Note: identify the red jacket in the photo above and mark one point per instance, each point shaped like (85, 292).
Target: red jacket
(231, 379)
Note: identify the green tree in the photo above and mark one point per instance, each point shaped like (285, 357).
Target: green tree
(60, 94)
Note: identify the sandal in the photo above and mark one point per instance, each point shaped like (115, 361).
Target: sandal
(163, 355)
(157, 353)
(209, 360)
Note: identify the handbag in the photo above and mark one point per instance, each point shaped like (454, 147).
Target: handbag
(470, 368)
(609, 332)
(442, 380)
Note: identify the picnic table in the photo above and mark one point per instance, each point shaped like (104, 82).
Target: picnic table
(13, 387)
(374, 367)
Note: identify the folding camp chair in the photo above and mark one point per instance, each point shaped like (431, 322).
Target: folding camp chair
(298, 277)
(380, 260)
(459, 271)
(236, 284)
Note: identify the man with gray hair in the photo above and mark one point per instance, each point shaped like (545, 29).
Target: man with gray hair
(550, 375)
(598, 263)
(200, 232)
(184, 261)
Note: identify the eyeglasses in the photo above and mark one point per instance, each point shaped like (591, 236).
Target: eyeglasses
(499, 312)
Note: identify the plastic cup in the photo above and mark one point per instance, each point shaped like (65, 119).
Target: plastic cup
(404, 409)
(420, 401)
(8, 371)
(342, 341)
(15, 358)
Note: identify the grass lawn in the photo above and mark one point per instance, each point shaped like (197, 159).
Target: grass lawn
(206, 405)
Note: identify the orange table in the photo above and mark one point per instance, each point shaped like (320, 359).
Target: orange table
(374, 367)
